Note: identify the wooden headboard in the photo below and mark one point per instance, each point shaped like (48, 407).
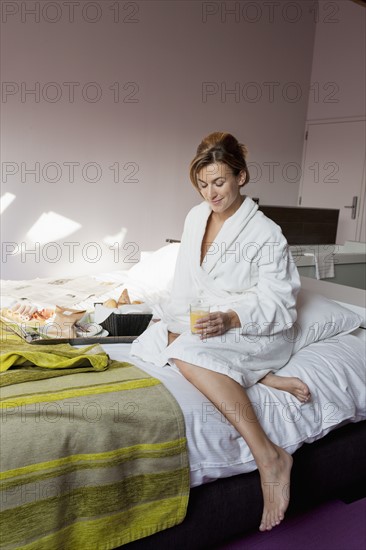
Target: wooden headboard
(302, 225)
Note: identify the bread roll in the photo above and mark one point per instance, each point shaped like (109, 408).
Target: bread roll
(124, 298)
(110, 303)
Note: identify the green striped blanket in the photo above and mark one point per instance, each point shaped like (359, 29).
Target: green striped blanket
(90, 460)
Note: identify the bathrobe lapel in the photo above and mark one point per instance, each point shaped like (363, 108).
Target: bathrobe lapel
(228, 236)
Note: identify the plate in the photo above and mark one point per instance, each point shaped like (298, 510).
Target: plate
(35, 332)
(89, 330)
(34, 324)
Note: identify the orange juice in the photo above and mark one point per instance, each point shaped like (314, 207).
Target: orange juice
(197, 312)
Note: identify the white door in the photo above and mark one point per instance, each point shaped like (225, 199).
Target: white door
(333, 172)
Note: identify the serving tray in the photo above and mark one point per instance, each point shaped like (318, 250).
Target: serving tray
(80, 341)
(33, 339)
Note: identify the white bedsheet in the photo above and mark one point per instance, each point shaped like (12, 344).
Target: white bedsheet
(334, 371)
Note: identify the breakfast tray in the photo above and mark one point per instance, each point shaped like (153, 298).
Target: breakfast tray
(79, 341)
(33, 339)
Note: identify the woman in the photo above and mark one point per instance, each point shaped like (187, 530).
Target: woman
(237, 260)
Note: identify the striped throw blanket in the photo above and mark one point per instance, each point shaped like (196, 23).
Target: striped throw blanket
(90, 460)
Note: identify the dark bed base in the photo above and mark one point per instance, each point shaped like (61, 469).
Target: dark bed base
(331, 468)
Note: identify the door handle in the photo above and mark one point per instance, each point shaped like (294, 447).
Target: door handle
(354, 207)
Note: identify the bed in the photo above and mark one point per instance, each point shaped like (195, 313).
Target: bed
(208, 491)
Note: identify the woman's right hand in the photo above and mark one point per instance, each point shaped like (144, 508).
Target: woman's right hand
(217, 323)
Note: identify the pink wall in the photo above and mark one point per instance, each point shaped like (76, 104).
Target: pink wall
(173, 65)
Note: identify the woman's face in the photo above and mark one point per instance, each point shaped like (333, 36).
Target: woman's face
(220, 188)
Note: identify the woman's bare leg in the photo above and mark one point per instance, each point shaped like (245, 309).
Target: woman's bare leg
(274, 464)
(291, 384)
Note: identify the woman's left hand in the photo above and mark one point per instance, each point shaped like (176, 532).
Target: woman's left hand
(217, 323)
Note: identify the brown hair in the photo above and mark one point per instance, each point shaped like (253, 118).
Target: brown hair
(219, 147)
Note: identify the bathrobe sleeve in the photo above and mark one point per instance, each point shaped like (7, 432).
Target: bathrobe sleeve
(269, 306)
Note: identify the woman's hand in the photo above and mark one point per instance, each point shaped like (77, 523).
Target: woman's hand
(217, 323)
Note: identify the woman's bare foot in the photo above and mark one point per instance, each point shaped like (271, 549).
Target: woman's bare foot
(291, 384)
(275, 481)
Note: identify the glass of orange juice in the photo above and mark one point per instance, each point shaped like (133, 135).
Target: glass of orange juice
(197, 311)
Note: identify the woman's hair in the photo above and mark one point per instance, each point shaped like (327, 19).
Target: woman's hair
(219, 147)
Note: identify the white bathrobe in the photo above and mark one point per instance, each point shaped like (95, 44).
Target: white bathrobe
(248, 269)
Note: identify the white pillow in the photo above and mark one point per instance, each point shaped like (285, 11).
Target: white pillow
(155, 272)
(356, 309)
(319, 318)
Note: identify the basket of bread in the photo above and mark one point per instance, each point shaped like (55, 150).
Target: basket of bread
(123, 317)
